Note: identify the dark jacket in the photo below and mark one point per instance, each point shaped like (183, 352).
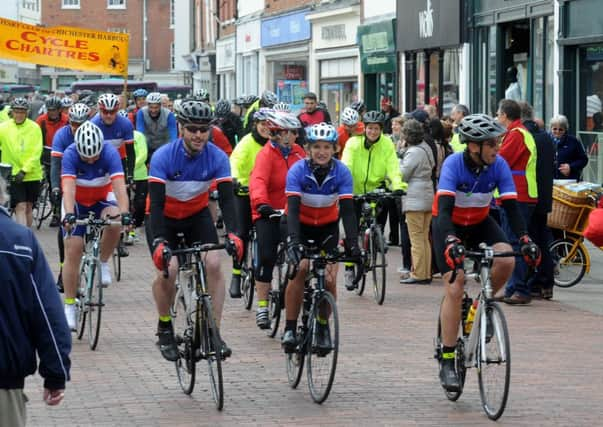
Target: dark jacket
(32, 320)
(571, 151)
(545, 166)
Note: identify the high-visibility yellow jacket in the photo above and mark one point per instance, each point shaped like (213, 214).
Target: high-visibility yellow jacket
(243, 157)
(142, 151)
(21, 147)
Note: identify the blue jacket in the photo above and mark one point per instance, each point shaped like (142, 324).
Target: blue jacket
(571, 151)
(31, 313)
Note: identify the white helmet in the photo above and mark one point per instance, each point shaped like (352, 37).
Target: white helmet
(108, 101)
(349, 116)
(79, 113)
(154, 98)
(89, 140)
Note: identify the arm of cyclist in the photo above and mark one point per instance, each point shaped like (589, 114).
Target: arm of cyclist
(121, 194)
(32, 152)
(234, 244)
(350, 226)
(130, 159)
(68, 184)
(294, 247)
(172, 127)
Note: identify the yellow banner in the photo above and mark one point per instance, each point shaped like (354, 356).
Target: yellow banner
(65, 47)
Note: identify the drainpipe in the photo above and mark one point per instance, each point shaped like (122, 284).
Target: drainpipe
(144, 38)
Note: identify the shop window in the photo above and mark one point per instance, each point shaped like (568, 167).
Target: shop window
(420, 79)
(451, 79)
(337, 96)
(290, 82)
(116, 4)
(548, 67)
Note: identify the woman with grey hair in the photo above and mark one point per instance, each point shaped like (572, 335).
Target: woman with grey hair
(570, 154)
(416, 166)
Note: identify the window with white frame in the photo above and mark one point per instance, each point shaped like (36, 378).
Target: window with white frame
(33, 5)
(116, 4)
(172, 13)
(70, 4)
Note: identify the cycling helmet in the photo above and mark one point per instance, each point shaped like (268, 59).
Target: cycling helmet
(85, 92)
(140, 93)
(321, 132)
(373, 117)
(281, 121)
(222, 108)
(358, 105)
(349, 116)
(154, 98)
(53, 103)
(479, 128)
(108, 101)
(19, 104)
(262, 114)
(268, 99)
(282, 107)
(192, 111)
(89, 140)
(202, 95)
(248, 100)
(66, 102)
(123, 113)
(79, 113)
(90, 101)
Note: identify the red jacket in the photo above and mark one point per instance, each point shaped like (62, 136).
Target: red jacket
(343, 136)
(269, 176)
(515, 152)
(49, 128)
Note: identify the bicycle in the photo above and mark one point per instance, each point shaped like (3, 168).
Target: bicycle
(196, 333)
(119, 253)
(486, 346)
(318, 302)
(89, 302)
(42, 208)
(373, 243)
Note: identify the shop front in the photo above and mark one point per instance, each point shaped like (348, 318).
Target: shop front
(513, 44)
(429, 38)
(334, 65)
(378, 62)
(225, 67)
(581, 78)
(284, 56)
(247, 48)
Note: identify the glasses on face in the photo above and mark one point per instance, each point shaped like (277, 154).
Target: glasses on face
(196, 128)
(492, 143)
(108, 112)
(75, 124)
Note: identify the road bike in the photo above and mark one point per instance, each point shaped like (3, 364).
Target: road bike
(42, 207)
(318, 306)
(196, 333)
(89, 301)
(372, 242)
(485, 345)
(120, 252)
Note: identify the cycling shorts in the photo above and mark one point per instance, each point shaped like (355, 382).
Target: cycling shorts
(326, 237)
(82, 212)
(24, 192)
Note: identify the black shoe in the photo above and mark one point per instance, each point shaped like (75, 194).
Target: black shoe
(167, 344)
(55, 221)
(225, 350)
(235, 286)
(448, 377)
(122, 251)
(60, 287)
(323, 339)
(289, 341)
(220, 222)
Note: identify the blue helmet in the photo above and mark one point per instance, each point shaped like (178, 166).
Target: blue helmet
(322, 132)
(140, 93)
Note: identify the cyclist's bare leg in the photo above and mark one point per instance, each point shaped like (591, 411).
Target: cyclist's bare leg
(262, 289)
(110, 237)
(331, 284)
(451, 307)
(215, 283)
(74, 247)
(502, 267)
(23, 214)
(164, 289)
(212, 205)
(294, 294)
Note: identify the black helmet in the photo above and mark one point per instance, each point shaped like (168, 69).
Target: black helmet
(191, 111)
(248, 100)
(358, 105)
(222, 108)
(19, 104)
(479, 128)
(373, 117)
(53, 103)
(268, 99)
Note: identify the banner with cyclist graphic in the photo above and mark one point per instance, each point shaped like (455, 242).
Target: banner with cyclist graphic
(65, 47)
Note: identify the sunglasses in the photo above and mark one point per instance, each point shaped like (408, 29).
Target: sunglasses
(197, 128)
(108, 112)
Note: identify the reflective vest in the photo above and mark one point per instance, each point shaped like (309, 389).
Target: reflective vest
(156, 130)
(530, 171)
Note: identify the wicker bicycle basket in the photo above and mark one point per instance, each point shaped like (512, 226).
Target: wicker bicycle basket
(570, 210)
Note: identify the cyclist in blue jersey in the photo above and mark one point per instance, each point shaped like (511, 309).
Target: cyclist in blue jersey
(319, 193)
(179, 179)
(92, 181)
(461, 217)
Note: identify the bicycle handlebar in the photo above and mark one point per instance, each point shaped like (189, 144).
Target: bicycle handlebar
(196, 248)
(312, 253)
(485, 252)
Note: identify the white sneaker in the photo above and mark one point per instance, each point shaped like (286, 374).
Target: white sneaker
(70, 315)
(105, 274)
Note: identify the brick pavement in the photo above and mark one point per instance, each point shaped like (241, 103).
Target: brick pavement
(385, 375)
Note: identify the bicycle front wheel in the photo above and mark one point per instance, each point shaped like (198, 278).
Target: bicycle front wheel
(379, 265)
(323, 347)
(279, 277)
(494, 362)
(95, 303)
(183, 331)
(117, 263)
(82, 297)
(568, 269)
(211, 350)
(42, 206)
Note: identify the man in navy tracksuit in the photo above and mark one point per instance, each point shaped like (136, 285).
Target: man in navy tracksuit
(31, 321)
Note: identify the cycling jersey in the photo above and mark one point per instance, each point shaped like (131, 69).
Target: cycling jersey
(187, 179)
(21, 147)
(473, 193)
(50, 128)
(62, 139)
(92, 181)
(119, 133)
(319, 202)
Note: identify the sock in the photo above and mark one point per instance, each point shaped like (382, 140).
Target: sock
(291, 325)
(320, 320)
(165, 321)
(448, 353)
(69, 301)
(236, 271)
(263, 303)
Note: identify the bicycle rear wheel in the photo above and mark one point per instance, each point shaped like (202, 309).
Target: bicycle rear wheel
(211, 351)
(461, 370)
(569, 270)
(183, 331)
(117, 263)
(43, 209)
(363, 242)
(95, 304)
(494, 362)
(275, 308)
(247, 280)
(82, 297)
(295, 361)
(379, 265)
(322, 360)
